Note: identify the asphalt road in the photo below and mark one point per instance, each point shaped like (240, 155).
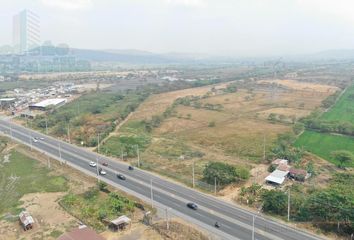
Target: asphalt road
(235, 222)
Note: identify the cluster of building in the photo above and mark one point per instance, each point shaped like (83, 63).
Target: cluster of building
(26, 103)
(284, 171)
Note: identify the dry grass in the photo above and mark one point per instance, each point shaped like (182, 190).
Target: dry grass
(304, 86)
(158, 103)
(239, 131)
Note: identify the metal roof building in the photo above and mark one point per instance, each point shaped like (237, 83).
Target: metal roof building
(43, 105)
(277, 176)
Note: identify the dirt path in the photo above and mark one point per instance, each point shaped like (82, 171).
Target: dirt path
(115, 132)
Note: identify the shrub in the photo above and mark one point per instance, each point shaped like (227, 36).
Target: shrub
(224, 173)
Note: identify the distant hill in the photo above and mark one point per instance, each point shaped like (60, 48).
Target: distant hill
(334, 54)
(124, 56)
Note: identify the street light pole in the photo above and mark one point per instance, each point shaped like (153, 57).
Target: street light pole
(253, 227)
(97, 167)
(215, 185)
(289, 205)
(193, 181)
(137, 149)
(30, 138)
(151, 194)
(98, 143)
(11, 132)
(167, 220)
(59, 147)
(46, 125)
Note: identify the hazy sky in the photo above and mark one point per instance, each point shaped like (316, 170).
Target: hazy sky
(245, 27)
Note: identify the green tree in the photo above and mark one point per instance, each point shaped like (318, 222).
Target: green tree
(343, 157)
(224, 173)
(272, 117)
(298, 128)
(274, 201)
(102, 186)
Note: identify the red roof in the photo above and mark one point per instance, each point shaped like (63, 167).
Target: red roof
(295, 171)
(81, 233)
(283, 167)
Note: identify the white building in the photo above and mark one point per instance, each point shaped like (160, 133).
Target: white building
(48, 103)
(26, 31)
(277, 177)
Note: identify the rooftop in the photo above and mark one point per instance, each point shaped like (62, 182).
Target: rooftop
(121, 220)
(81, 233)
(277, 176)
(48, 102)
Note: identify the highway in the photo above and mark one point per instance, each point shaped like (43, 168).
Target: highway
(235, 222)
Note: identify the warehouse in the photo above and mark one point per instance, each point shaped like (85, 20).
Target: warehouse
(48, 104)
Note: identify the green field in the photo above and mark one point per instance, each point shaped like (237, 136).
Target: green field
(322, 144)
(19, 175)
(344, 109)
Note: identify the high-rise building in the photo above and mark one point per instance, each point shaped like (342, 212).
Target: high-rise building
(26, 31)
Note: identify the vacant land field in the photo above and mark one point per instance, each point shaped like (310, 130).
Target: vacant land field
(21, 175)
(322, 144)
(215, 125)
(306, 86)
(344, 108)
(157, 104)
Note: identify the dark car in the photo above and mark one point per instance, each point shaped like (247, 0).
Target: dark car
(131, 168)
(121, 176)
(192, 206)
(105, 164)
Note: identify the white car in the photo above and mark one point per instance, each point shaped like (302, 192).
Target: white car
(102, 172)
(41, 138)
(93, 164)
(34, 140)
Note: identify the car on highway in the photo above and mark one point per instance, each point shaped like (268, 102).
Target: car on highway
(192, 206)
(92, 164)
(102, 172)
(121, 176)
(131, 168)
(105, 164)
(41, 138)
(35, 140)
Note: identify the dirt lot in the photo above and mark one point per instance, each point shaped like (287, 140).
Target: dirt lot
(306, 86)
(238, 132)
(156, 104)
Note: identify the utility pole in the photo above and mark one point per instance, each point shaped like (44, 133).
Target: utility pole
(151, 194)
(48, 160)
(167, 220)
(60, 152)
(98, 143)
(30, 138)
(193, 181)
(69, 132)
(215, 185)
(253, 227)
(46, 125)
(264, 147)
(97, 167)
(11, 132)
(137, 150)
(289, 205)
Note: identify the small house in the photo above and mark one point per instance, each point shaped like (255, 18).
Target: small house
(277, 177)
(299, 174)
(26, 220)
(119, 223)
